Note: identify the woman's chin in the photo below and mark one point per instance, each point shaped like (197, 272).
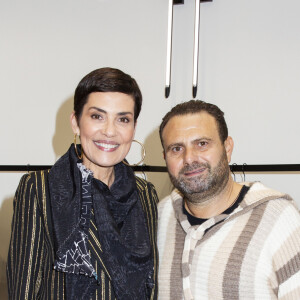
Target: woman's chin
(98, 164)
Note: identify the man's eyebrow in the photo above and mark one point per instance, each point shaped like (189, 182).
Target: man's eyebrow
(105, 112)
(203, 138)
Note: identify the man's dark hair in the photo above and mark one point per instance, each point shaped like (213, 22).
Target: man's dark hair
(107, 80)
(193, 107)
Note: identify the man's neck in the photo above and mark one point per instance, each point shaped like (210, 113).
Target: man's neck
(216, 204)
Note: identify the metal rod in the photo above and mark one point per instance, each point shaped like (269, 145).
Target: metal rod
(147, 168)
(196, 47)
(169, 49)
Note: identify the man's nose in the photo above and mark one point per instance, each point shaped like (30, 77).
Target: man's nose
(190, 155)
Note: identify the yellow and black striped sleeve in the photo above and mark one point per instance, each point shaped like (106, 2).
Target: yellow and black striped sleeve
(24, 265)
(149, 200)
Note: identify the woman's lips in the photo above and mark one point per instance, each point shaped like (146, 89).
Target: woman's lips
(107, 146)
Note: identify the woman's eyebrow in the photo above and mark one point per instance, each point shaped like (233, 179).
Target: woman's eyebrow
(98, 109)
(105, 112)
(125, 113)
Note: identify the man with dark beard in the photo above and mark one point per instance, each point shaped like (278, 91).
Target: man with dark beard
(218, 239)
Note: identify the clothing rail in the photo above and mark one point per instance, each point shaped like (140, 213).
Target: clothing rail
(146, 168)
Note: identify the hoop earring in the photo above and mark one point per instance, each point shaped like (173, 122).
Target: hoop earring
(79, 156)
(143, 155)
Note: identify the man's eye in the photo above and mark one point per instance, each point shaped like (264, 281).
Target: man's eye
(176, 149)
(202, 144)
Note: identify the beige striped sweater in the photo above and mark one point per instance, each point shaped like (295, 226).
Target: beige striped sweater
(253, 253)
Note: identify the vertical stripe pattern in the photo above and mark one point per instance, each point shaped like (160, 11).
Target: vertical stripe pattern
(253, 253)
(30, 273)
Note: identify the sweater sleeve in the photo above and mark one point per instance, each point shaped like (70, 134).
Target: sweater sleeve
(24, 263)
(286, 257)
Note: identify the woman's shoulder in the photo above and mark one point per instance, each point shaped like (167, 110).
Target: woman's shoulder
(34, 177)
(143, 184)
(146, 190)
(31, 183)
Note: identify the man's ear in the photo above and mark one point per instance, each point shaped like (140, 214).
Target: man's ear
(74, 124)
(228, 144)
(164, 154)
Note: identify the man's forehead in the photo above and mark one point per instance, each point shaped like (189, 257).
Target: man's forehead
(192, 121)
(187, 128)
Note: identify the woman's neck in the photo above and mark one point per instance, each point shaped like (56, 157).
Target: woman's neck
(104, 174)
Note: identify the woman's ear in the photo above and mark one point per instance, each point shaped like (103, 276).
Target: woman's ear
(229, 147)
(74, 124)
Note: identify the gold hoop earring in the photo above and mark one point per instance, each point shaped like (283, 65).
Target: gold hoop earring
(143, 155)
(79, 156)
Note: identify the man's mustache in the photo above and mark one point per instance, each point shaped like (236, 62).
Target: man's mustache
(194, 166)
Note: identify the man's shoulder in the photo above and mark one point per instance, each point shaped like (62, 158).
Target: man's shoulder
(175, 195)
(168, 206)
(276, 201)
(258, 192)
(260, 186)
(165, 200)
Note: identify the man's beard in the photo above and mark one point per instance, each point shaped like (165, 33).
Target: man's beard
(204, 186)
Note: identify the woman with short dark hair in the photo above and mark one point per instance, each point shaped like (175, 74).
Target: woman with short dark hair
(86, 228)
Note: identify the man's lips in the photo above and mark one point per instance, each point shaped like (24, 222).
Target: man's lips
(194, 172)
(107, 146)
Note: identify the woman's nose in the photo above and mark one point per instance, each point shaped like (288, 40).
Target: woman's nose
(109, 129)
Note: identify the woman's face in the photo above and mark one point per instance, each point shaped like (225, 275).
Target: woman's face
(106, 128)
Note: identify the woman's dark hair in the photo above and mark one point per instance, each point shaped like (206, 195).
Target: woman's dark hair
(193, 107)
(107, 80)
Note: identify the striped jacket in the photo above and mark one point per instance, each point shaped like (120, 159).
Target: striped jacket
(30, 273)
(252, 253)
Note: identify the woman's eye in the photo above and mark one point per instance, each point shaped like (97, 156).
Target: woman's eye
(124, 120)
(96, 116)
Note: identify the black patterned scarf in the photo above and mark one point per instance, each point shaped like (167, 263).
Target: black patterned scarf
(121, 225)
(124, 236)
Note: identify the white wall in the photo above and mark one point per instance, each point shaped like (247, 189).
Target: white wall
(249, 65)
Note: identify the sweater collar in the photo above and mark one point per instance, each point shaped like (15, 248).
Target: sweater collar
(257, 194)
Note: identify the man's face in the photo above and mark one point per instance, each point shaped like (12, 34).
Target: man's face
(196, 159)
